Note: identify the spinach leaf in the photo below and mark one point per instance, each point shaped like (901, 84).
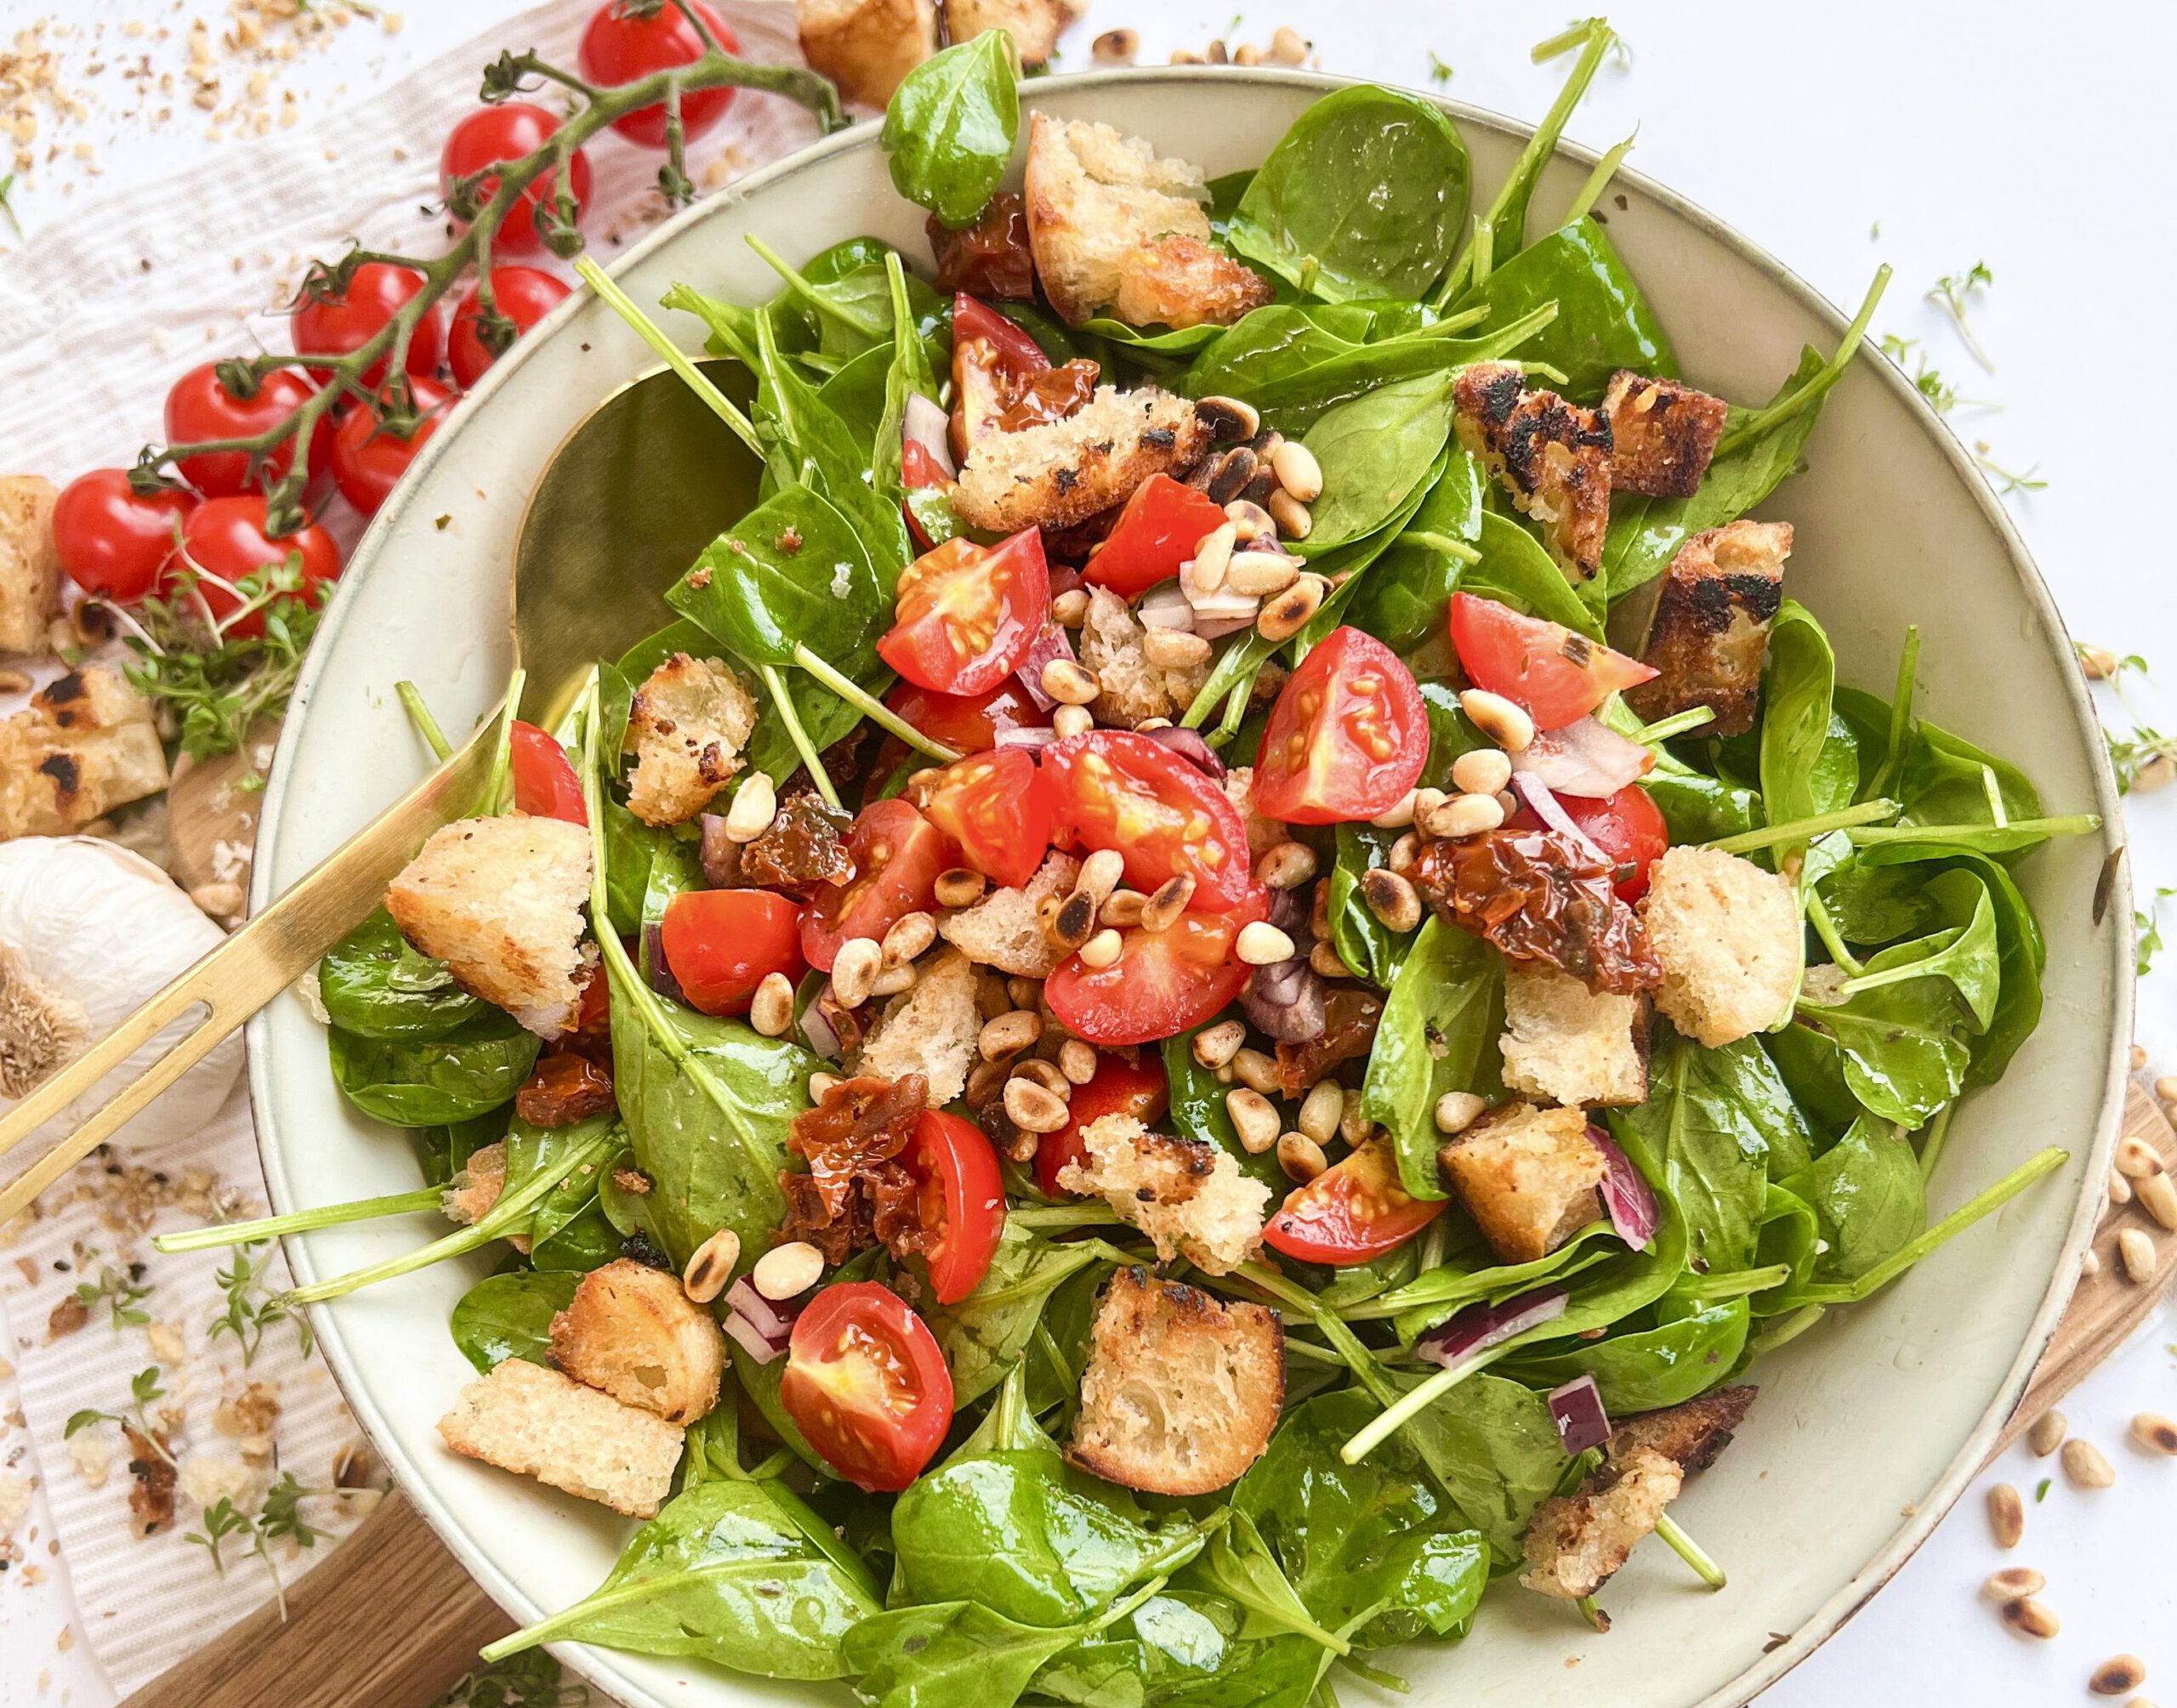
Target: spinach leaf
(1604, 321)
(1874, 904)
(1964, 952)
(950, 1653)
(1474, 1273)
(586, 1240)
(1496, 1448)
(510, 1316)
(2020, 956)
(630, 847)
(1938, 778)
(950, 126)
(791, 571)
(443, 1151)
(1438, 1033)
(1516, 569)
(1648, 1369)
(1197, 1111)
(433, 1082)
(1900, 1047)
(1239, 1565)
(1364, 196)
(984, 1334)
(1374, 451)
(1868, 1193)
(822, 449)
(1409, 588)
(1799, 778)
(375, 985)
(1184, 1649)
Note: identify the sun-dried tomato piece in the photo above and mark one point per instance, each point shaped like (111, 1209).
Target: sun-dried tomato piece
(1349, 1018)
(990, 258)
(857, 1194)
(1537, 895)
(1054, 394)
(566, 1086)
(804, 846)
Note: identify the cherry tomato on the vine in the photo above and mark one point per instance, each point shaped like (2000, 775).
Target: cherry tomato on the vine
(523, 294)
(1558, 676)
(621, 46)
(112, 540)
(225, 539)
(369, 457)
(544, 782)
(335, 326)
(1351, 1213)
(962, 1200)
(866, 1383)
(1348, 736)
(506, 131)
(720, 944)
(199, 408)
(1118, 1086)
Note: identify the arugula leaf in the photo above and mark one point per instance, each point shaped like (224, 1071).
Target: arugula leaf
(434, 1082)
(1438, 1033)
(949, 128)
(510, 1316)
(375, 985)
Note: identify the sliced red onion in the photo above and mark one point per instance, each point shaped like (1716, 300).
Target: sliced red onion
(1287, 1001)
(1216, 628)
(822, 1037)
(930, 427)
(1585, 759)
(1536, 793)
(1290, 912)
(661, 975)
(1028, 735)
(1627, 1197)
(750, 1339)
(1480, 1326)
(1165, 606)
(1577, 1407)
(721, 853)
(769, 1318)
(1189, 746)
(1051, 643)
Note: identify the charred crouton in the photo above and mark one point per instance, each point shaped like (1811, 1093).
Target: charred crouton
(1705, 626)
(1181, 1391)
(1033, 24)
(29, 563)
(537, 1422)
(1132, 689)
(86, 744)
(1527, 1175)
(1058, 472)
(1190, 1198)
(867, 46)
(1553, 457)
(1662, 432)
(929, 1029)
(1570, 1045)
(500, 901)
(1005, 928)
(686, 727)
(1115, 227)
(1727, 936)
(632, 1332)
(1689, 1435)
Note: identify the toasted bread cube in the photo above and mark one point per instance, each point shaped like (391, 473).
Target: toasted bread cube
(86, 744)
(1181, 1391)
(1527, 1175)
(1662, 432)
(1005, 928)
(1568, 1044)
(1727, 935)
(1552, 456)
(1689, 1435)
(1188, 1197)
(867, 46)
(537, 1422)
(1133, 690)
(1059, 473)
(500, 901)
(686, 727)
(1263, 834)
(1034, 25)
(29, 563)
(1705, 626)
(929, 1029)
(470, 1194)
(1114, 226)
(633, 1332)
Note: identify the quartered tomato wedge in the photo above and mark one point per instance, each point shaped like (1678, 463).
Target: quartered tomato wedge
(1558, 676)
(1154, 534)
(544, 785)
(1348, 736)
(1117, 790)
(1002, 380)
(1627, 826)
(1352, 1212)
(1138, 1088)
(1163, 981)
(897, 856)
(720, 944)
(962, 1201)
(966, 616)
(998, 806)
(866, 1383)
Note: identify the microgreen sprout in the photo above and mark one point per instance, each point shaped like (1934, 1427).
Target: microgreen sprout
(1953, 292)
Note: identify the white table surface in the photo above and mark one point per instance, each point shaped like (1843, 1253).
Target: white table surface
(1836, 134)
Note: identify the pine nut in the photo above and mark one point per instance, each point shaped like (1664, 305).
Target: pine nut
(1289, 46)
(821, 1084)
(1406, 853)
(1212, 557)
(1353, 1126)
(770, 1010)
(1300, 1157)
(1400, 816)
(2096, 663)
(2086, 1465)
(1046, 1074)
(1457, 1111)
(893, 979)
(986, 1083)
(1254, 523)
(1101, 949)
(1033, 1107)
(2013, 1582)
(856, 970)
(2155, 1432)
(1024, 993)
(1482, 771)
(1320, 1110)
(1071, 683)
(1258, 574)
(1325, 961)
(1287, 615)
(2138, 1159)
(1174, 649)
(1073, 920)
(2118, 1676)
(1286, 866)
(960, 887)
(2135, 1253)
(1010, 1034)
(1298, 472)
(1462, 815)
(1502, 720)
(1262, 944)
(788, 1270)
(1161, 911)
(1070, 610)
(1077, 1061)
(2157, 1196)
(2166, 1087)
(755, 803)
(1255, 1118)
(2045, 1437)
(1291, 516)
(1508, 804)
(2139, 1057)
(1101, 873)
(2116, 1189)
(2156, 773)
(1116, 47)
(1247, 54)
(1149, 723)
(2090, 1263)
(1122, 908)
(712, 1266)
(910, 933)
(1229, 419)
(1069, 720)
(1391, 898)
(1214, 1045)
(1257, 1071)
(1023, 1145)
(2031, 1618)
(2006, 1515)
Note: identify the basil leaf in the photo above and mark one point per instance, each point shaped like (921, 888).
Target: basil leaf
(950, 126)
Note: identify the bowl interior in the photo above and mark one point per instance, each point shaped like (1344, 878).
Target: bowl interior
(1882, 1410)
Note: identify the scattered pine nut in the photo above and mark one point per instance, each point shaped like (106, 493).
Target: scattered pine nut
(1326, 961)
(1392, 899)
(1070, 610)
(1215, 1046)
(770, 1010)
(1482, 771)
(755, 803)
(711, 1267)
(1400, 816)
(856, 970)
(2117, 1189)
(1457, 1111)
(1122, 908)
(1298, 472)
(1462, 815)
(1213, 558)
(2166, 1087)
(1260, 944)
(1116, 47)
(893, 980)
(1320, 1110)
(2139, 1057)
(1071, 683)
(959, 887)
(1101, 949)
(786, 1270)
(1068, 721)
(2118, 1676)
(1100, 873)
(1300, 1157)
(1293, 518)
(1077, 1061)
(1072, 920)
(1503, 721)
(2135, 1252)
(2155, 1432)
(2137, 1159)
(2014, 1582)
(1010, 1033)
(1046, 1074)
(2006, 1515)
(1257, 574)
(910, 933)
(1033, 1107)
(2086, 1465)
(2031, 1618)
(1174, 649)
(820, 1086)
(2046, 1436)
(1290, 611)
(1286, 866)
(1254, 1119)
(1161, 911)
(2090, 1263)
(1288, 46)
(1354, 1126)
(2157, 1196)
(2156, 774)
(1257, 1071)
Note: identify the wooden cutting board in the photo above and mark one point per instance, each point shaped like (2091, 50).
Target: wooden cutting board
(392, 1619)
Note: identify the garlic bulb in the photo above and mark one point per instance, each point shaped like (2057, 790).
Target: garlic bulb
(88, 932)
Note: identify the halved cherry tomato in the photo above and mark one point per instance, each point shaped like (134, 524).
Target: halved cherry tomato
(966, 616)
(1558, 676)
(1348, 736)
(1154, 534)
(720, 944)
(1119, 1086)
(1627, 826)
(544, 785)
(963, 1198)
(334, 325)
(1163, 981)
(622, 44)
(523, 294)
(920, 467)
(971, 722)
(225, 539)
(113, 539)
(509, 131)
(998, 806)
(865, 1382)
(897, 856)
(199, 409)
(369, 457)
(1117, 790)
(1351, 1213)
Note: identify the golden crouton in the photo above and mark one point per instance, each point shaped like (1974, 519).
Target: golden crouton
(1263, 834)
(85, 745)
(1527, 1175)
(500, 901)
(1188, 1197)
(1572, 1045)
(1703, 625)
(30, 566)
(1132, 689)
(867, 46)
(469, 1196)
(1662, 432)
(1115, 227)
(1033, 24)
(1181, 1392)
(686, 727)
(929, 1029)
(1059, 473)
(1727, 934)
(1004, 929)
(1553, 457)
(537, 1422)
(633, 1332)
